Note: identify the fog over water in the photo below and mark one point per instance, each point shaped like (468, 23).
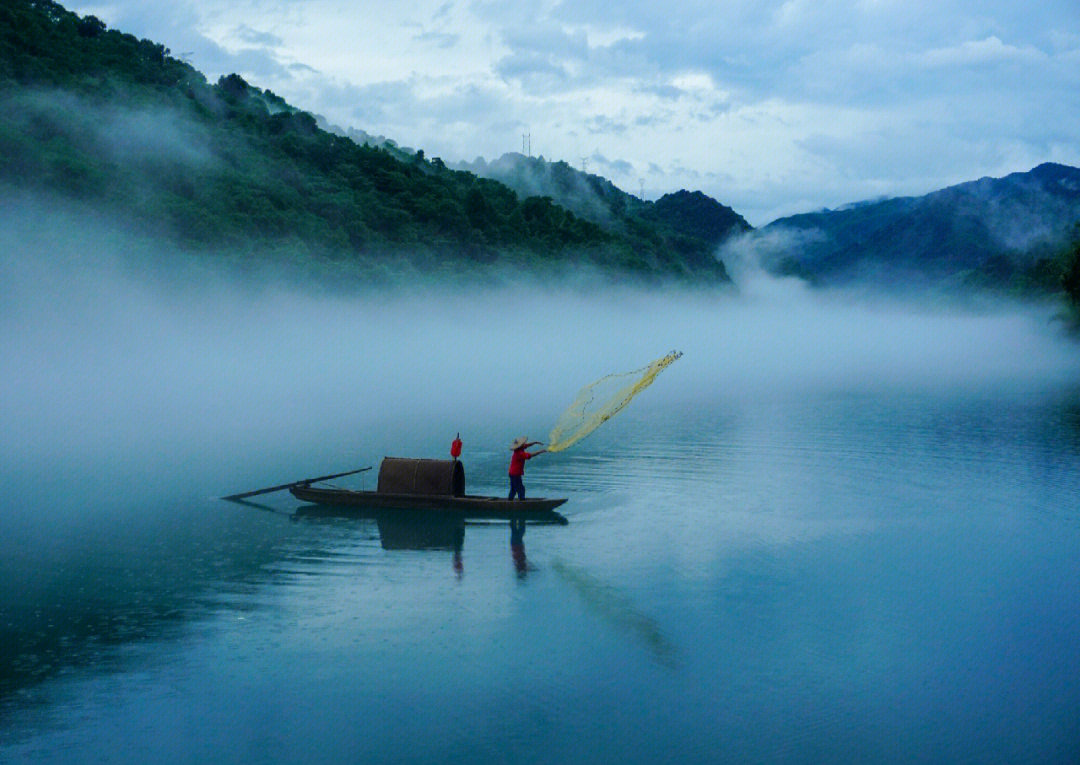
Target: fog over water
(838, 519)
(118, 372)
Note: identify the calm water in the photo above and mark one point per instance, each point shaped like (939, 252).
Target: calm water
(834, 576)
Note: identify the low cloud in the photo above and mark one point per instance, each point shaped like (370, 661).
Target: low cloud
(255, 37)
(438, 39)
(618, 167)
(980, 52)
(536, 72)
(137, 138)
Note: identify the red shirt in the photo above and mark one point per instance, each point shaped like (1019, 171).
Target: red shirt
(517, 462)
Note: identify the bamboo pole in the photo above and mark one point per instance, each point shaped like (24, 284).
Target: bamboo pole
(242, 495)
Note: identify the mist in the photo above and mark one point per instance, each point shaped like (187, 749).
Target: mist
(115, 372)
(142, 385)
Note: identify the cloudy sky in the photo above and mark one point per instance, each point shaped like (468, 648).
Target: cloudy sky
(771, 107)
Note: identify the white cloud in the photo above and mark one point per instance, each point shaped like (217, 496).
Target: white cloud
(767, 106)
(604, 37)
(979, 52)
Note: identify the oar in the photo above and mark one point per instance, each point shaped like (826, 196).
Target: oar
(235, 497)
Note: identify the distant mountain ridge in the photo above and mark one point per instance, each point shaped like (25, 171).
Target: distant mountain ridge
(122, 128)
(595, 198)
(695, 223)
(1004, 231)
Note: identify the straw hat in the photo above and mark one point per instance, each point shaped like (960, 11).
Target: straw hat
(517, 443)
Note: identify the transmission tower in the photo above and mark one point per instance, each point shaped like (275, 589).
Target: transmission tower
(526, 144)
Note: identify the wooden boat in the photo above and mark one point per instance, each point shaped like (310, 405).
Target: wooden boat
(430, 486)
(472, 506)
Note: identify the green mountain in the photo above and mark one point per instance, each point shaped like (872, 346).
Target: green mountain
(689, 223)
(1006, 233)
(692, 222)
(119, 126)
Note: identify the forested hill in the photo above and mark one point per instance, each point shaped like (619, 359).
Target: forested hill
(119, 125)
(1011, 233)
(691, 219)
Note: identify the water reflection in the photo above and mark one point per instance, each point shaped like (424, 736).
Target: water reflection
(76, 592)
(517, 547)
(79, 605)
(851, 545)
(615, 607)
(422, 533)
(419, 530)
(260, 506)
(1070, 416)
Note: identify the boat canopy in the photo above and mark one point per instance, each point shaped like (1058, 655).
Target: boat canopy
(400, 475)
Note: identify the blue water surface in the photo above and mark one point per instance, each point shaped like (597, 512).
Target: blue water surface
(871, 576)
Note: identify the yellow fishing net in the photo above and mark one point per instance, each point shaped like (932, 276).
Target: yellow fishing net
(598, 402)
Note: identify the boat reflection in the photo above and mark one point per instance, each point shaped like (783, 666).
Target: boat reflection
(421, 533)
(435, 532)
(420, 530)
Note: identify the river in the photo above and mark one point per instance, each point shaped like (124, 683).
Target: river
(792, 548)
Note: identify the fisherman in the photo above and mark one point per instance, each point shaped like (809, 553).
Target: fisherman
(517, 464)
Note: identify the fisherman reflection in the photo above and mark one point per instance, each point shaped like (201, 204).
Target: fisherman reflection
(517, 546)
(459, 542)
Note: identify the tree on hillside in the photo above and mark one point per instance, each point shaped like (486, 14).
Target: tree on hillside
(118, 124)
(1070, 278)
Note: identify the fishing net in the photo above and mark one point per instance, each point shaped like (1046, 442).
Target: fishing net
(598, 402)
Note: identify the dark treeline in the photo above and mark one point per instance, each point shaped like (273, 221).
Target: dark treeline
(1070, 277)
(105, 119)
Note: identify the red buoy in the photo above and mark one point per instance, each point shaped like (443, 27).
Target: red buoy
(455, 447)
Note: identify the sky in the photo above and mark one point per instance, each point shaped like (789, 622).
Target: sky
(773, 108)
